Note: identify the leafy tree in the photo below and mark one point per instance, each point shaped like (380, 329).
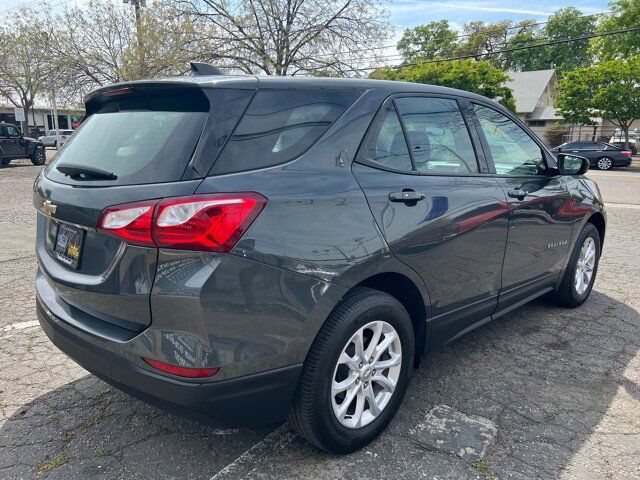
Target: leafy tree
(626, 14)
(481, 38)
(566, 23)
(433, 40)
(470, 75)
(609, 89)
(287, 37)
(25, 73)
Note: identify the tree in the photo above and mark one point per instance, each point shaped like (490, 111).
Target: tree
(609, 89)
(482, 39)
(625, 14)
(24, 71)
(280, 37)
(99, 43)
(470, 75)
(564, 23)
(433, 40)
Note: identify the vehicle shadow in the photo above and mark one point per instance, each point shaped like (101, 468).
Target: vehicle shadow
(527, 393)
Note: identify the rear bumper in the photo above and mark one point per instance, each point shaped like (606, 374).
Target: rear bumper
(254, 399)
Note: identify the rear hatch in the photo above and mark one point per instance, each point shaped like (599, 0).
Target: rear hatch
(137, 142)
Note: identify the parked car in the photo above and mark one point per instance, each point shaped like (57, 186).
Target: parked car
(251, 248)
(51, 140)
(602, 155)
(619, 141)
(14, 145)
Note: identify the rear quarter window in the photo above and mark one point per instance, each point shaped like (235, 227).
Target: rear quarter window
(279, 126)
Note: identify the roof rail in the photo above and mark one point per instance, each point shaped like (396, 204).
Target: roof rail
(200, 69)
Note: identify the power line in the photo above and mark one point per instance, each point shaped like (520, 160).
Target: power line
(506, 50)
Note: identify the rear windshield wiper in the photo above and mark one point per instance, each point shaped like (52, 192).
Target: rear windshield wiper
(74, 170)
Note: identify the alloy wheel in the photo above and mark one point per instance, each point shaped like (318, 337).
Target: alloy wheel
(585, 265)
(604, 163)
(366, 374)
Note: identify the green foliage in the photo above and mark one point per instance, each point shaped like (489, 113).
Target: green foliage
(433, 40)
(626, 14)
(473, 76)
(609, 89)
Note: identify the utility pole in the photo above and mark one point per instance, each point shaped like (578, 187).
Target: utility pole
(137, 5)
(54, 107)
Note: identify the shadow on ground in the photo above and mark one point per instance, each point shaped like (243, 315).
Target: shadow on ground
(537, 394)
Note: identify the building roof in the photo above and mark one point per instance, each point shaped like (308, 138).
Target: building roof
(528, 87)
(544, 113)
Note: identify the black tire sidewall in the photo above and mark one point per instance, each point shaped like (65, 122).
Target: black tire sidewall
(592, 232)
(34, 158)
(385, 308)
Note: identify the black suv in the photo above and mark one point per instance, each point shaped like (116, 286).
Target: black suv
(14, 145)
(240, 249)
(602, 155)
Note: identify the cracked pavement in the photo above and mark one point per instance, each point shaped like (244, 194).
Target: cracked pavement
(543, 392)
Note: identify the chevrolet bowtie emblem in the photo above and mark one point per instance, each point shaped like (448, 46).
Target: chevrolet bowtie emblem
(48, 207)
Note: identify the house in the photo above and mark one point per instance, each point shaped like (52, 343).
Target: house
(533, 93)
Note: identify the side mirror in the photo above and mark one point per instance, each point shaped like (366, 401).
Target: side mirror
(572, 164)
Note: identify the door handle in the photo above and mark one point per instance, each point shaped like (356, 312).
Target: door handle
(517, 193)
(406, 196)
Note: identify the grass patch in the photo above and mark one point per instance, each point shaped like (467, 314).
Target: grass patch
(483, 468)
(48, 465)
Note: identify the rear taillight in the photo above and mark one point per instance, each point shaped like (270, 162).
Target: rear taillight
(129, 222)
(625, 153)
(212, 222)
(182, 371)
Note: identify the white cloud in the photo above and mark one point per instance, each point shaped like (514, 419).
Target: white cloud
(471, 6)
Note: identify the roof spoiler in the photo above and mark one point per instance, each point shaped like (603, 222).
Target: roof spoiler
(201, 69)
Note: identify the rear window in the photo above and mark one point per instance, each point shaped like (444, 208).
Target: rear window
(280, 125)
(138, 139)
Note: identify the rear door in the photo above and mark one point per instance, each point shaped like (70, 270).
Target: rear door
(136, 143)
(540, 205)
(12, 142)
(440, 215)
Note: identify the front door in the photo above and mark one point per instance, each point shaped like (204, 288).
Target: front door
(439, 214)
(13, 142)
(540, 219)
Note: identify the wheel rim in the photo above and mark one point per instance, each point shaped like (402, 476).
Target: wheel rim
(604, 163)
(366, 374)
(41, 156)
(585, 266)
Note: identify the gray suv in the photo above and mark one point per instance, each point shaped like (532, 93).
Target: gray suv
(240, 249)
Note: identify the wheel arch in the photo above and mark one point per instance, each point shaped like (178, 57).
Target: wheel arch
(598, 221)
(405, 290)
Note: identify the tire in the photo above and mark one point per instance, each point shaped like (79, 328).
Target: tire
(39, 157)
(604, 163)
(4, 161)
(313, 414)
(567, 294)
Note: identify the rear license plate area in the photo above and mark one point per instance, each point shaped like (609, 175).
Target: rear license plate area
(68, 247)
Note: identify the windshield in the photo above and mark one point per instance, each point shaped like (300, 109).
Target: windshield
(137, 146)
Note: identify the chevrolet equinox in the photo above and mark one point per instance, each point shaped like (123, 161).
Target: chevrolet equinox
(243, 249)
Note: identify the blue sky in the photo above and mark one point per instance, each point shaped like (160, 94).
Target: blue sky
(408, 13)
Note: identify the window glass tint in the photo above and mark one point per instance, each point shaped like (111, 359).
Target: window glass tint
(3, 131)
(387, 145)
(438, 136)
(13, 131)
(514, 152)
(280, 125)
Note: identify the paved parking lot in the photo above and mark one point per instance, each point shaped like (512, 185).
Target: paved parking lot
(541, 393)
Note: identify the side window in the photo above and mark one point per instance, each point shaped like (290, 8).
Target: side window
(3, 131)
(387, 145)
(279, 126)
(437, 135)
(514, 152)
(13, 131)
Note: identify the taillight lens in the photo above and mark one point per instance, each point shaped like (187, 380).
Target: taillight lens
(182, 371)
(130, 222)
(625, 153)
(212, 222)
(205, 222)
